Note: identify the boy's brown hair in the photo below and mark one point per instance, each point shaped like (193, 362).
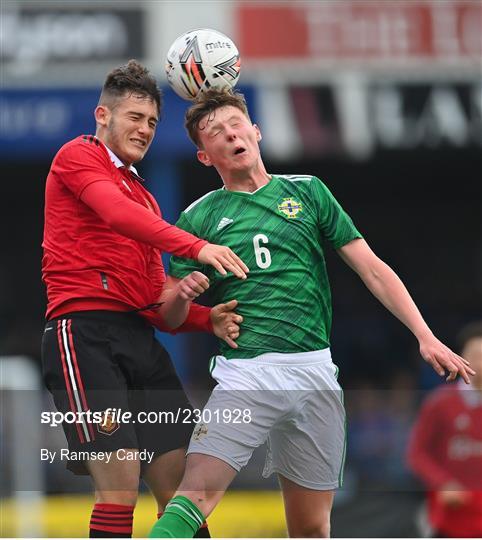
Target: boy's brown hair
(132, 78)
(206, 103)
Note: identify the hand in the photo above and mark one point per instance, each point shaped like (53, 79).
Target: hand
(441, 358)
(192, 286)
(223, 260)
(453, 495)
(226, 322)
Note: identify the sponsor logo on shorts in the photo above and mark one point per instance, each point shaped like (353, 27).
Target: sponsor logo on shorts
(290, 208)
(199, 432)
(108, 425)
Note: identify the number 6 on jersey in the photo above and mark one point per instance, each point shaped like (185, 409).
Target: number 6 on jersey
(262, 254)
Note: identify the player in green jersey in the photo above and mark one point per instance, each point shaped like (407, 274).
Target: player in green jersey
(286, 303)
(279, 384)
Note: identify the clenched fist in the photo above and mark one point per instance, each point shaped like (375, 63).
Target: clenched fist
(192, 286)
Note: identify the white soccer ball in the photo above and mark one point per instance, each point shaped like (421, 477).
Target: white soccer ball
(202, 59)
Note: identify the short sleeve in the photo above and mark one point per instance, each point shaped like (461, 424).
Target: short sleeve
(78, 165)
(180, 267)
(334, 223)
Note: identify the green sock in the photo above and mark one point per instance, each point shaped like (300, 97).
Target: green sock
(181, 519)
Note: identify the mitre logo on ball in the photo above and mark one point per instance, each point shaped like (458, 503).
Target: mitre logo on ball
(202, 59)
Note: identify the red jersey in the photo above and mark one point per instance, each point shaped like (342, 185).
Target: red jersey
(108, 257)
(446, 445)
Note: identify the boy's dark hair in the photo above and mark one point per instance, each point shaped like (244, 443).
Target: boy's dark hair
(206, 103)
(471, 331)
(132, 78)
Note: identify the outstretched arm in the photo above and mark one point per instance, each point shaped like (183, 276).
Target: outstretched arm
(135, 221)
(385, 285)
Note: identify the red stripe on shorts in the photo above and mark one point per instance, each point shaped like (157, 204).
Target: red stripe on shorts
(67, 379)
(78, 377)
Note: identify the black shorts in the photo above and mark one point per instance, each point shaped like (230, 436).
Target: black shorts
(102, 361)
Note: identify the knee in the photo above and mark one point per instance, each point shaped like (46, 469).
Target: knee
(123, 497)
(320, 529)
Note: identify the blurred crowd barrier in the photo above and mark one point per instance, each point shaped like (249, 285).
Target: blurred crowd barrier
(240, 514)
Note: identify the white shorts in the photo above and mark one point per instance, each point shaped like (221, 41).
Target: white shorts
(292, 401)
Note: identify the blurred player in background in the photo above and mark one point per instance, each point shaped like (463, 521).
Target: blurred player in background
(445, 451)
(282, 368)
(102, 266)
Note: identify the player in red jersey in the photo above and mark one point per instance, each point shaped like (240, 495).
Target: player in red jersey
(102, 266)
(445, 450)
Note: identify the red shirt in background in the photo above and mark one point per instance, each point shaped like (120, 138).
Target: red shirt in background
(446, 446)
(103, 234)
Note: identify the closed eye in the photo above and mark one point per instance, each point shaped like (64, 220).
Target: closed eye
(137, 117)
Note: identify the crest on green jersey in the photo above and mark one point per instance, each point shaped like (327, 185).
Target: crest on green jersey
(290, 208)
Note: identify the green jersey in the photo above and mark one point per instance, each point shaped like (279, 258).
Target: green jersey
(278, 231)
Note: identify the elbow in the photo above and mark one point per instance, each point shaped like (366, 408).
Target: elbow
(113, 220)
(370, 276)
(171, 324)
(172, 318)
(157, 320)
(375, 273)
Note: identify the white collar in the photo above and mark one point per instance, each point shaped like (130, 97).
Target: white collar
(117, 162)
(250, 192)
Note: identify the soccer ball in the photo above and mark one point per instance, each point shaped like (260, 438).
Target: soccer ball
(202, 59)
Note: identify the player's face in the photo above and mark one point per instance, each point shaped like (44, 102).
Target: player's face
(473, 353)
(128, 127)
(229, 141)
